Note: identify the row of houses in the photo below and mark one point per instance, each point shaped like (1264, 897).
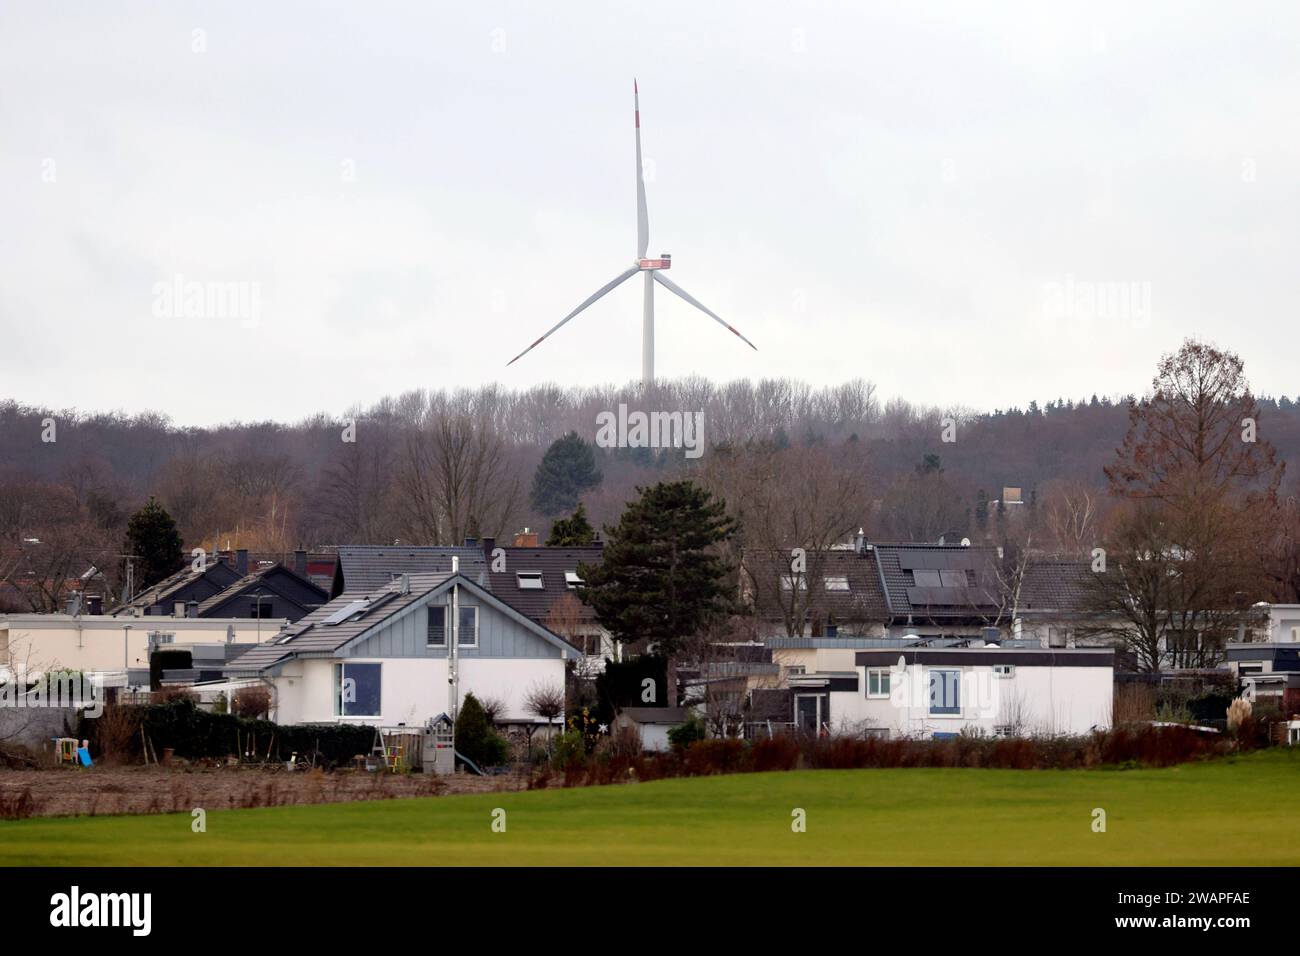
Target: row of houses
(884, 638)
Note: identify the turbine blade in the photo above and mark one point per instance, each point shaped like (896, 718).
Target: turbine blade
(642, 216)
(608, 286)
(673, 287)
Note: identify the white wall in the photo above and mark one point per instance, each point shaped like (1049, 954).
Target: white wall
(93, 643)
(413, 690)
(1042, 700)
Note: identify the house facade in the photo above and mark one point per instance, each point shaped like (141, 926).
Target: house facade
(945, 691)
(405, 653)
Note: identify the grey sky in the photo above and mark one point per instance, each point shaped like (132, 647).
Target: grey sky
(903, 192)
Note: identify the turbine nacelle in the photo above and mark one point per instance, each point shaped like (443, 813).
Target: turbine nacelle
(664, 261)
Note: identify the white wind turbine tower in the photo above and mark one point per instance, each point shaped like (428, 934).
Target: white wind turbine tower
(653, 269)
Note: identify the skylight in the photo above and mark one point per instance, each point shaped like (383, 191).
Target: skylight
(529, 580)
(571, 579)
(837, 584)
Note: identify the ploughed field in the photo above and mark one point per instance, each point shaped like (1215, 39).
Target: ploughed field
(1230, 811)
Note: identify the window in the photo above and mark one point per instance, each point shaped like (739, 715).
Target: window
(467, 636)
(953, 579)
(1004, 730)
(927, 579)
(795, 669)
(1004, 670)
(437, 631)
(878, 682)
(437, 627)
(529, 580)
(788, 583)
(356, 690)
(837, 584)
(571, 580)
(260, 609)
(1250, 668)
(831, 630)
(591, 645)
(945, 692)
(1056, 637)
(178, 608)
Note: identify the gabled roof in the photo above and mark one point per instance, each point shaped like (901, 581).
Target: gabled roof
(314, 637)
(219, 574)
(269, 579)
(1055, 585)
(553, 564)
(863, 601)
(365, 568)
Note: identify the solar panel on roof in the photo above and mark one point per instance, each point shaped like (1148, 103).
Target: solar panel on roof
(343, 613)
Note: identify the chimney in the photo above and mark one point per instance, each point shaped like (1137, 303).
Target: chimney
(471, 542)
(300, 562)
(191, 608)
(405, 587)
(526, 539)
(860, 541)
(241, 561)
(489, 545)
(94, 604)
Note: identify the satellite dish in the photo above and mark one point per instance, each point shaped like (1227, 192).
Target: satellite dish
(965, 542)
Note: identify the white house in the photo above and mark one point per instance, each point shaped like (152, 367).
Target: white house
(405, 653)
(31, 644)
(943, 691)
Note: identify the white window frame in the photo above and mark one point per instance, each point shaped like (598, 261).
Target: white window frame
(460, 631)
(877, 673)
(840, 581)
(1004, 671)
(536, 582)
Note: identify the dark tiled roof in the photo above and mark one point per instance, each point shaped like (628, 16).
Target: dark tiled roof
(1055, 585)
(221, 575)
(266, 577)
(368, 567)
(863, 601)
(553, 563)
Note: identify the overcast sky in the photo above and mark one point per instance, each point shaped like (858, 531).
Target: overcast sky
(925, 195)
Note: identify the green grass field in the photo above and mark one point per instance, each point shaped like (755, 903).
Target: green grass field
(1232, 811)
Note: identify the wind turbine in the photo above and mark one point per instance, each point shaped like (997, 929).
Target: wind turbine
(654, 272)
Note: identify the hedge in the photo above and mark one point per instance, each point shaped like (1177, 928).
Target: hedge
(194, 734)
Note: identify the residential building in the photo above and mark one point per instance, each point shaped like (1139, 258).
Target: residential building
(944, 691)
(405, 652)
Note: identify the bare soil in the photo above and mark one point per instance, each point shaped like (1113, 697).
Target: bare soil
(98, 791)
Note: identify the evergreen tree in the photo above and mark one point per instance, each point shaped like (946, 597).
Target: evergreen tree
(475, 738)
(566, 470)
(574, 531)
(152, 537)
(659, 579)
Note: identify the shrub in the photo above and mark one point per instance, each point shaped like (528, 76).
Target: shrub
(251, 702)
(475, 738)
(570, 749)
(688, 733)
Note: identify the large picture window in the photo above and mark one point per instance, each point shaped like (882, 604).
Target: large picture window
(945, 692)
(357, 690)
